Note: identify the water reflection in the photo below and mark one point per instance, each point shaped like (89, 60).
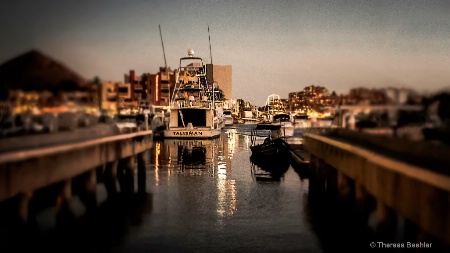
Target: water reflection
(157, 150)
(205, 196)
(226, 197)
(266, 169)
(209, 201)
(232, 138)
(210, 158)
(191, 154)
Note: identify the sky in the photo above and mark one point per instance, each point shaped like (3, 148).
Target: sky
(274, 47)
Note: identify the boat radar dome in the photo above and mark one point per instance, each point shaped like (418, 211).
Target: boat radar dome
(191, 52)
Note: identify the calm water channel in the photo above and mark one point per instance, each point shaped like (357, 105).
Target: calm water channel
(207, 196)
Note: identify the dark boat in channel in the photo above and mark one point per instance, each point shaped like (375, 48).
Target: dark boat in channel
(272, 146)
(272, 155)
(270, 169)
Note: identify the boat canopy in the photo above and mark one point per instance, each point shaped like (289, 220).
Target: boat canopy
(281, 116)
(263, 126)
(301, 116)
(190, 58)
(191, 89)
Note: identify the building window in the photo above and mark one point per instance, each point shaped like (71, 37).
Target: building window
(123, 89)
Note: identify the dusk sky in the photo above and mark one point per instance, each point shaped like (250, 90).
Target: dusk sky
(274, 47)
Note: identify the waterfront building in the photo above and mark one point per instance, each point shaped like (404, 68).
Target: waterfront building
(382, 96)
(167, 78)
(285, 103)
(136, 88)
(109, 96)
(126, 97)
(222, 75)
(312, 99)
(154, 89)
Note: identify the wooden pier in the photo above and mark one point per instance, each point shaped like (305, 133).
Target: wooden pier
(404, 185)
(55, 171)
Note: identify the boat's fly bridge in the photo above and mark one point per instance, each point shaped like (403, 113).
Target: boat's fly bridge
(274, 105)
(192, 88)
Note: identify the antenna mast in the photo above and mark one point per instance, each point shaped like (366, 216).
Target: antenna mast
(162, 43)
(210, 45)
(165, 65)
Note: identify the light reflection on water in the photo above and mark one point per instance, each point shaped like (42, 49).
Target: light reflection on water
(211, 202)
(203, 196)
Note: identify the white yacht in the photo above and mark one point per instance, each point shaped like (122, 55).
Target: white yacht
(192, 106)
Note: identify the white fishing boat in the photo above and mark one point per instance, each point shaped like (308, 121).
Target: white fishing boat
(283, 119)
(219, 114)
(277, 115)
(160, 116)
(228, 117)
(192, 106)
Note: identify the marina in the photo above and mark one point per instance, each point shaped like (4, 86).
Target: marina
(201, 195)
(196, 194)
(126, 154)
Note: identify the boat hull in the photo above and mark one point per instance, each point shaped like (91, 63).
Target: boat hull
(271, 158)
(197, 133)
(287, 130)
(228, 121)
(273, 148)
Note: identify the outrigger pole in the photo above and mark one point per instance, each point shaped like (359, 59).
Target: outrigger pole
(213, 95)
(165, 62)
(210, 54)
(162, 43)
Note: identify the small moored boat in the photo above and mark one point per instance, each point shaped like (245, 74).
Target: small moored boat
(273, 144)
(284, 120)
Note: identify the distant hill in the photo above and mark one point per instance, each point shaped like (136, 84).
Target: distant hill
(34, 70)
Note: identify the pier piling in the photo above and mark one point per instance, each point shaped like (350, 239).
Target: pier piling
(386, 221)
(87, 191)
(125, 174)
(141, 160)
(364, 204)
(23, 207)
(63, 202)
(331, 182)
(345, 187)
(110, 178)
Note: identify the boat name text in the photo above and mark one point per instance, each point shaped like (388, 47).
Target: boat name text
(190, 133)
